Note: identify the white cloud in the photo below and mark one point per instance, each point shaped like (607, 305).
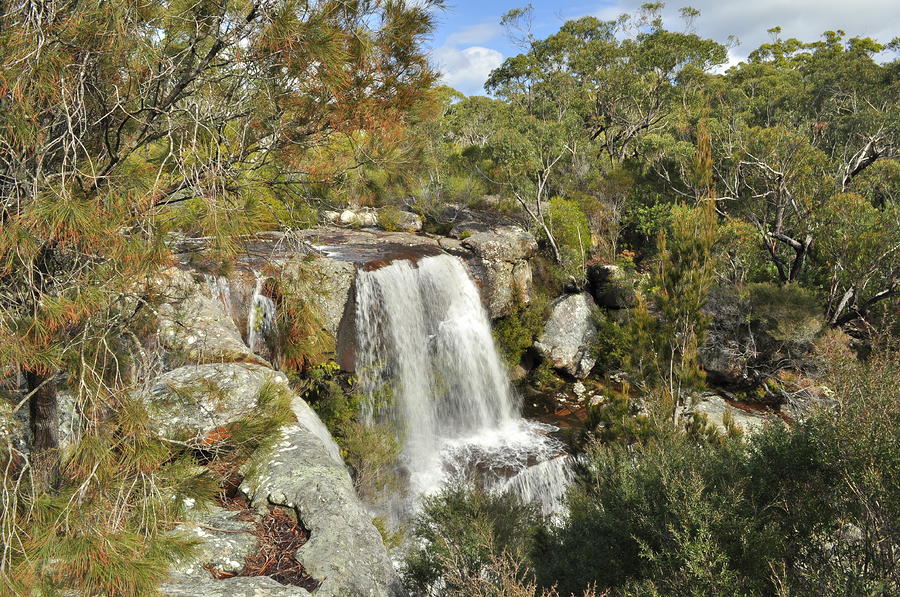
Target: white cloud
(467, 69)
(803, 19)
(474, 35)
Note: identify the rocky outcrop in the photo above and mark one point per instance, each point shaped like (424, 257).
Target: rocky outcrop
(569, 333)
(501, 268)
(194, 328)
(716, 411)
(611, 287)
(191, 402)
(345, 550)
(303, 471)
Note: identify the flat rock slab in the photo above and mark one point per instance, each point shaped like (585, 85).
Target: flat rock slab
(262, 586)
(370, 249)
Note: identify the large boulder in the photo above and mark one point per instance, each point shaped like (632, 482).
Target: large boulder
(506, 243)
(499, 263)
(193, 401)
(345, 550)
(569, 334)
(611, 286)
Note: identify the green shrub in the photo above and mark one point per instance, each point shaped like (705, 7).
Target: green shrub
(808, 510)
(571, 229)
(390, 218)
(458, 534)
(516, 333)
(613, 343)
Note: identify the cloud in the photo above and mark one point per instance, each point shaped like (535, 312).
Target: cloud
(467, 69)
(803, 19)
(474, 35)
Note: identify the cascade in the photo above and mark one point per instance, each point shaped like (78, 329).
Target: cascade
(544, 483)
(220, 290)
(260, 317)
(427, 362)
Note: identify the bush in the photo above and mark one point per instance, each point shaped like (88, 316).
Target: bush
(807, 510)
(516, 333)
(458, 535)
(390, 218)
(572, 231)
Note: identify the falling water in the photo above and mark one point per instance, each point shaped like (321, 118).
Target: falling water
(220, 290)
(427, 361)
(544, 484)
(261, 316)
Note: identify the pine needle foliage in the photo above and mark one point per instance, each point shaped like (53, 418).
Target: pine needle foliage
(123, 125)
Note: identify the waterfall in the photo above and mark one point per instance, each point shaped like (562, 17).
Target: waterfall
(427, 362)
(220, 290)
(544, 484)
(261, 315)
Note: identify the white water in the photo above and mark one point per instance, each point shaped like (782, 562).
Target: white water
(260, 317)
(220, 290)
(427, 361)
(544, 484)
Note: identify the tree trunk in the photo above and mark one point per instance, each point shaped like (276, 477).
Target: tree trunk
(44, 428)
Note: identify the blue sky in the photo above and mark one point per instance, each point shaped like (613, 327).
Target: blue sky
(469, 41)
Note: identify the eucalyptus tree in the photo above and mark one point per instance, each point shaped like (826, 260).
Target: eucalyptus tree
(604, 88)
(801, 124)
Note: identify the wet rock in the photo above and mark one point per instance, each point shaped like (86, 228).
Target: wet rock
(345, 550)
(569, 333)
(194, 400)
(611, 287)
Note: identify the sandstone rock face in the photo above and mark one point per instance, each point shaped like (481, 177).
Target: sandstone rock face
(196, 328)
(500, 266)
(194, 400)
(569, 333)
(344, 550)
(304, 471)
(611, 287)
(326, 283)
